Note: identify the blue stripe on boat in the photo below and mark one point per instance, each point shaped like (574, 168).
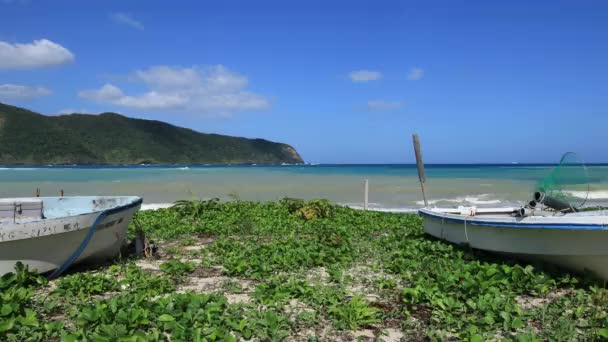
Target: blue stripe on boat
(570, 226)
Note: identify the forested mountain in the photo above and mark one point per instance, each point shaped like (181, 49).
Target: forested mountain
(27, 137)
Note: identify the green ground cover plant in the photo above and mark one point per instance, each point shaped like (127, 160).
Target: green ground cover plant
(301, 270)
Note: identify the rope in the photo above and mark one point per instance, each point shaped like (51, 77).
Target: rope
(66, 264)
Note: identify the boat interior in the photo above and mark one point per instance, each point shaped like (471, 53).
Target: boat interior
(27, 209)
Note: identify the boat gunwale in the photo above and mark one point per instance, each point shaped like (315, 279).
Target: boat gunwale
(137, 201)
(472, 220)
(114, 210)
(111, 210)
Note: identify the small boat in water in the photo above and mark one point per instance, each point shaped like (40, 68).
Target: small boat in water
(52, 233)
(575, 240)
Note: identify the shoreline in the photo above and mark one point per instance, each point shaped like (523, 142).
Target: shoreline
(156, 206)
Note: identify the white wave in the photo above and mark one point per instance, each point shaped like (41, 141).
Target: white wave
(354, 204)
(374, 206)
(527, 167)
(183, 168)
(477, 200)
(597, 194)
(386, 210)
(18, 169)
(155, 206)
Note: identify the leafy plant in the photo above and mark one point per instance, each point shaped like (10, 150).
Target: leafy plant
(288, 274)
(353, 314)
(177, 268)
(292, 205)
(83, 285)
(315, 209)
(181, 316)
(16, 294)
(196, 208)
(261, 259)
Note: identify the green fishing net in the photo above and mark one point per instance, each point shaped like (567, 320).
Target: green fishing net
(568, 181)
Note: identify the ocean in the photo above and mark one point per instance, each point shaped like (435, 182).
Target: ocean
(391, 187)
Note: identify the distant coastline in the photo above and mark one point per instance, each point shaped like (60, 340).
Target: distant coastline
(28, 138)
(70, 165)
(407, 165)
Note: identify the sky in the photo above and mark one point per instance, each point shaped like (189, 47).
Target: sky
(341, 81)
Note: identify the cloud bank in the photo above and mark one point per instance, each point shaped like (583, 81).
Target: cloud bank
(72, 111)
(37, 54)
(21, 92)
(213, 90)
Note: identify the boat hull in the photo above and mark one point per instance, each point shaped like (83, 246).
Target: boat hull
(45, 245)
(581, 250)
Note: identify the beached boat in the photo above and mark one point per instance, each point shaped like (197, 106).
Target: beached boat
(577, 241)
(52, 233)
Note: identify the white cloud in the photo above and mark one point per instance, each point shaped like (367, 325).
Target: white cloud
(124, 18)
(415, 74)
(21, 92)
(39, 53)
(166, 77)
(72, 111)
(204, 90)
(383, 105)
(364, 75)
(150, 100)
(107, 93)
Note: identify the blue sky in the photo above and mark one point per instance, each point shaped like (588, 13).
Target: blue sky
(342, 81)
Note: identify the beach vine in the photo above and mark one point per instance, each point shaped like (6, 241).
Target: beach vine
(300, 270)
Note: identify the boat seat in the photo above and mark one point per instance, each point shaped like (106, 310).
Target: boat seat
(13, 209)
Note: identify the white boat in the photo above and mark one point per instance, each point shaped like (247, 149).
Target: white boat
(577, 241)
(52, 233)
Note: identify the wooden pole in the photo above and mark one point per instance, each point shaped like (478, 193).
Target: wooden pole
(365, 193)
(420, 166)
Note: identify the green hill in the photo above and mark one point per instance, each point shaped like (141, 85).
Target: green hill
(31, 138)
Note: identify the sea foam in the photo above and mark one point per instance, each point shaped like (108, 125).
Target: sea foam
(155, 206)
(597, 194)
(18, 168)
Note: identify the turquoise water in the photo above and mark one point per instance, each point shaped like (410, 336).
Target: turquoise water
(393, 187)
